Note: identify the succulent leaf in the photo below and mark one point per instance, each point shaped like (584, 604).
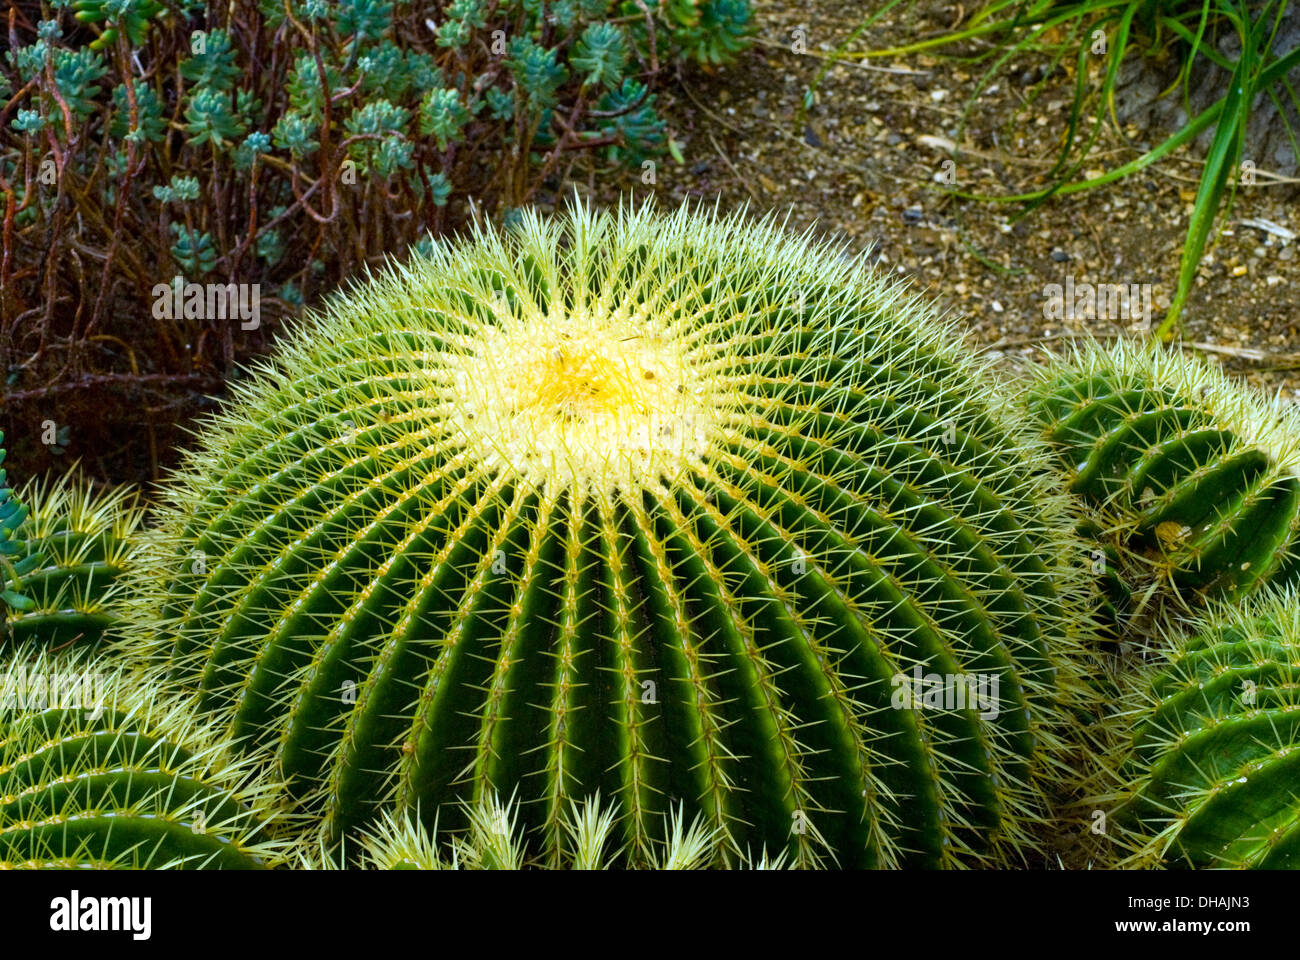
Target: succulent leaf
(16, 559)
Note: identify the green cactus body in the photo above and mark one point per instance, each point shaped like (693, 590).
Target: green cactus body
(1196, 474)
(669, 509)
(1215, 758)
(80, 542)
(99, 770)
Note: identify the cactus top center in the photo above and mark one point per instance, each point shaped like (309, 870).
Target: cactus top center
(592, 399)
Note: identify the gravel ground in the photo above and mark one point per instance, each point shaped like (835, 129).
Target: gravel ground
(866, 165)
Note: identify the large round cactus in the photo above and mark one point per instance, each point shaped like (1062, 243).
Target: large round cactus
(77, 543)
(99, 769)
(679, 509)
(1209, 777)
(1197, 476)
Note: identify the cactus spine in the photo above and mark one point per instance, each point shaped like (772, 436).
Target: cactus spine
(1196, 476)
(663, 508)
(1208, 777)
(98, 769)
(493, 842)
(78, 543)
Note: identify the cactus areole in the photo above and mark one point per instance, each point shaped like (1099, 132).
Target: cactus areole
(680, 509)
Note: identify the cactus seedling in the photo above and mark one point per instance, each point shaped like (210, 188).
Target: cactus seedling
(78, 543)
(1195, 475)
(1209, 777)
(677, 509)
(99, 770)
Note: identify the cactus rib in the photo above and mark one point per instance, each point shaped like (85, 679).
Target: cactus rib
(1196, 477)
(98, 769)
(78, 543)
(1207, 777)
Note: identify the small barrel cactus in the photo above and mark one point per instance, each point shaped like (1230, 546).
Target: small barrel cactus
(78, 542)
(98, 769)
(677, 510)
(1197, 476)
(1208, 778)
